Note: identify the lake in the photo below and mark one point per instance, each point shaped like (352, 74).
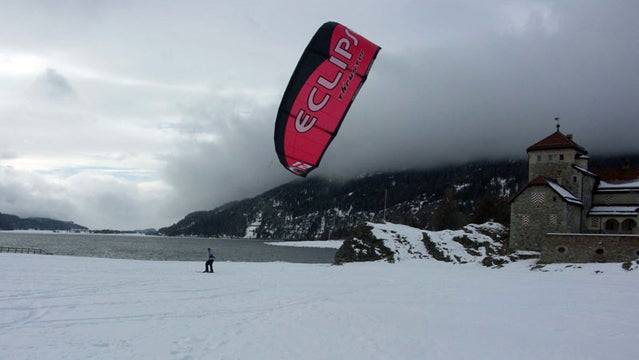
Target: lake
(145, 247)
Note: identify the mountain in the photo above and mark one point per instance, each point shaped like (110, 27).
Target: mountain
(12, 222)
(320, 208)
(446, 197)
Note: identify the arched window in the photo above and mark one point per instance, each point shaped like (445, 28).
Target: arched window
(628, 225)
(612, 225)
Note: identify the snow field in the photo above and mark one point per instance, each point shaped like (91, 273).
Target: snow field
(58, 307)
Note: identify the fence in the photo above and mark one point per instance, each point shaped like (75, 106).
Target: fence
(17, 250)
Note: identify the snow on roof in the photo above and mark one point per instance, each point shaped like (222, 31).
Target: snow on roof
(614, 210)
(561, 191)
(565, 194)
(619, 186)
(585, 171)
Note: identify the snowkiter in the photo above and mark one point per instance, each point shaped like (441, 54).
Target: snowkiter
(209, 262)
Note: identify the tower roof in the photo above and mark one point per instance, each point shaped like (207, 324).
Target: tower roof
(557, 140)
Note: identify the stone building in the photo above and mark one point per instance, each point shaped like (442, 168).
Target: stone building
(564, 197)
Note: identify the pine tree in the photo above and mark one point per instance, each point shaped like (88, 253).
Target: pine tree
(447, 215)
(491, 207)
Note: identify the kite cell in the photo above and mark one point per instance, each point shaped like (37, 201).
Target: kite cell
(327, 78)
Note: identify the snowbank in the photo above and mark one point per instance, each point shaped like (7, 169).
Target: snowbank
(326, 244)
(393, 242)
(58, 307)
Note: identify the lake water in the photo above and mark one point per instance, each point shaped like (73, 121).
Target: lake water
(143, 247)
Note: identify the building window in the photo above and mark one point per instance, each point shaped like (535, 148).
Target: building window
(550, 158)
(599, 251)
(561, 249)
(628, 225)
(574, 179)
(561, 157)
(538, 158)
(594, 222)
(612, 225)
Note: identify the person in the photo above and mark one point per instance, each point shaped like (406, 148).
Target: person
(209, 262)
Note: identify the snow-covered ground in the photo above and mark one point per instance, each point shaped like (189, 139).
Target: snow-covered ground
(57, 307)
(329, 244)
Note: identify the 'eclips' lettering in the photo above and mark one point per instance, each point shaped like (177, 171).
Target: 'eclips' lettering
(317, 98)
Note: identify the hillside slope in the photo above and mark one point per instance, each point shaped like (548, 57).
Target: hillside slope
(474, 243)
(319, 208)
(13, 222)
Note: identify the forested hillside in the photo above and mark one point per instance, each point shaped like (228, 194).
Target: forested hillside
(12, 222)
(318, 208)
(447, 197)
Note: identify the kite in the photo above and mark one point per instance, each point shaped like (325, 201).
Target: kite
(328, 76)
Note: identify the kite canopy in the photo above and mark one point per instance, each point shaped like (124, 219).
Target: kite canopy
(327, 78)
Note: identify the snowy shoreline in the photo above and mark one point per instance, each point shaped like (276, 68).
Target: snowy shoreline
(325, 244)
(77, 308)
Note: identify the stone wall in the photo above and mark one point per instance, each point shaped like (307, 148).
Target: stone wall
(537, 211)
(588, 248)
(611, 197)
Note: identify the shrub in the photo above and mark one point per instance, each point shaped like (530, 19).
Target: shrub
(363, 246)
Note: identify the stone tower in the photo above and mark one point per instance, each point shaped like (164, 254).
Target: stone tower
(558, 157)
(558, 194)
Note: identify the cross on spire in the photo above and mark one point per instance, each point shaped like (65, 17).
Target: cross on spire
(557, 120)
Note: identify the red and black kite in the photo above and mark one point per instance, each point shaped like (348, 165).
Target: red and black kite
(327, 78)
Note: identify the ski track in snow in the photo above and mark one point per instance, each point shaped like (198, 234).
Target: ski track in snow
(91, 308)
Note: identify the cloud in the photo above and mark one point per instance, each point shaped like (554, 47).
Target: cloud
(8, 154)
(525, 17)
(236, 161)
(88, 198)
(52, 86)
(29, 194)
(494, 96)
(148, 111)
(17, 64)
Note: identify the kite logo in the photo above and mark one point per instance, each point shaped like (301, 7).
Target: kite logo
(303, 121)
(303, 125)
(351, 76)
(299, 167)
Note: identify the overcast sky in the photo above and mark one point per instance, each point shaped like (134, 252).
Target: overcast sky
(131, 114)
